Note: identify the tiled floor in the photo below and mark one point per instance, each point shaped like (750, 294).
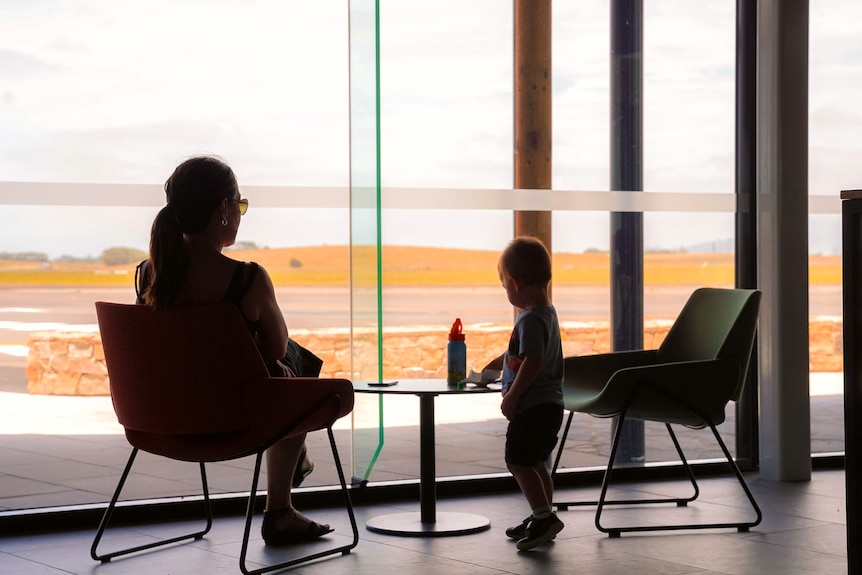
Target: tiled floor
(803, 532)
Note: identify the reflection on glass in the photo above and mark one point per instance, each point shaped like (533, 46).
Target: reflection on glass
(365, 272)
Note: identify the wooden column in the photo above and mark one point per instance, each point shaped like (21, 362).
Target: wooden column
(533, 111)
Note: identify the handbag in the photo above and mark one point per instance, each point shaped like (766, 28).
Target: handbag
(297, 361)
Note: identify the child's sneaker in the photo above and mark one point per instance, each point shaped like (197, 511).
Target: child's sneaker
(519, 531)
(540, 531)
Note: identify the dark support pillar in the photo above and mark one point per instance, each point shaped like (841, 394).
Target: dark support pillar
(746, 213)
(627, 316)
(532, 48)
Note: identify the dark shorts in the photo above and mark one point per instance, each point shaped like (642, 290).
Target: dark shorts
(532, 434)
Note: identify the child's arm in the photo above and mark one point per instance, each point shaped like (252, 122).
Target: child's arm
(530, 367)
(495, 364)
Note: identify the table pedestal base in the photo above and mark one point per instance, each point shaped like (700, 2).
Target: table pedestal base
(411, 525)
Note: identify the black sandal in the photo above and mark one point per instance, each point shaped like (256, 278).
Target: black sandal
(303, 468)
(274, 536)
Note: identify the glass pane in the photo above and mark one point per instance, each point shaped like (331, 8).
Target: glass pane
(97, 109)
(446, 108)
(444, 112)
(688, 63)
(835, 145)
(365, 281)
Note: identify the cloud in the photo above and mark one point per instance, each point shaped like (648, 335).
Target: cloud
(15, 64)
(120, 92)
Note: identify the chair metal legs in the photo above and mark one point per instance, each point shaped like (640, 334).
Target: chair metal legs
(343, 549)
(104, 558)
(680, 502)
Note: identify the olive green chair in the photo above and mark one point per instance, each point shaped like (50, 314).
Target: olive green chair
(699, 367)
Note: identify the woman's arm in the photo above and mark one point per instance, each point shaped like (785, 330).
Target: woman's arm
(260, 305)
(142, 280)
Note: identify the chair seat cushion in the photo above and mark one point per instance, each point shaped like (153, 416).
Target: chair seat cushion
(692, 393)
(275, 407)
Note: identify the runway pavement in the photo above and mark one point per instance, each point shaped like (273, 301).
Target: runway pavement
(27, 309)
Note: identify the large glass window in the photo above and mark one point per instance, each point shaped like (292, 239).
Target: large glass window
(835, 144)
(688, 63)
(99, 101)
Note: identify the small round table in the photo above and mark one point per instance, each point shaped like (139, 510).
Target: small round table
(426, 523)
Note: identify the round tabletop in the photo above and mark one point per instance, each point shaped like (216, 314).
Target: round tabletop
(423, 387)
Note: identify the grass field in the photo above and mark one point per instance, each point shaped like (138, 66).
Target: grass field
(407, 266)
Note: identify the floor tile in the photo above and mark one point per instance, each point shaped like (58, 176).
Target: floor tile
(795, 537)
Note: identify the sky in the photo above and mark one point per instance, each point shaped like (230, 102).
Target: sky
(120, 92)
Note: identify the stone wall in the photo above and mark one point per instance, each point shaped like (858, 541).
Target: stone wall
(66, 363)
(61, 363)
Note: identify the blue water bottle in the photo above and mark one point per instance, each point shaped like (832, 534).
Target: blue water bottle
(456, 352)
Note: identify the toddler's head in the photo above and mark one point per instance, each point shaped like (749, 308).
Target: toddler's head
(526, 260)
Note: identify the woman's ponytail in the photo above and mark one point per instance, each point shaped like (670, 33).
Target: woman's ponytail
(168, 260)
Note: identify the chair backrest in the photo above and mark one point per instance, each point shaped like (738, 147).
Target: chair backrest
(178, 371)
(714, 323)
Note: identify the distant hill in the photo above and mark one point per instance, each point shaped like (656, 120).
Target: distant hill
(725, 246)
(24, 256)
(418, 266)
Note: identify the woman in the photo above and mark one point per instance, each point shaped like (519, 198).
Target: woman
(186, 266)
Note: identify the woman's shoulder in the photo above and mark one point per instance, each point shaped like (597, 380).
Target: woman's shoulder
(248, 267)
(243, 277)
(251, 271)
(254, 271)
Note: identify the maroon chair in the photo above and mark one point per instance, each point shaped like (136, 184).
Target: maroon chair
(189, 384)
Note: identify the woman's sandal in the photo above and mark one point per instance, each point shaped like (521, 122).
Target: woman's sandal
(274, 536)
(303, 468)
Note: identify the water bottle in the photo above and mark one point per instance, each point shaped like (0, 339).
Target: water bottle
(456, 352)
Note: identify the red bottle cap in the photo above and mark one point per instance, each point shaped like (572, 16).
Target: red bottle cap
(457, 333)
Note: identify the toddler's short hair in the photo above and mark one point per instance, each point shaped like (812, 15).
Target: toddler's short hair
(527, 260)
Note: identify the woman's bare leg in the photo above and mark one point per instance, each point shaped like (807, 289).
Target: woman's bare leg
(281, 461)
